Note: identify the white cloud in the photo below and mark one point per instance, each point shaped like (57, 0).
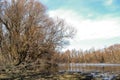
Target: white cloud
(108, 2)
(87, 28)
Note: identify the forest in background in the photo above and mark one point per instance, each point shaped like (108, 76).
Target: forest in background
(109, 54)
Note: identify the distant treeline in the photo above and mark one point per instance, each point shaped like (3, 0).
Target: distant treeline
(107, 55)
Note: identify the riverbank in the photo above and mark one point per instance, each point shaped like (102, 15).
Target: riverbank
(62, 75)
(102, 67)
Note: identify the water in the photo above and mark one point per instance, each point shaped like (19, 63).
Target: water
(102, 67)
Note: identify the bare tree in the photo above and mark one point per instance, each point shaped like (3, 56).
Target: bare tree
(27, 33)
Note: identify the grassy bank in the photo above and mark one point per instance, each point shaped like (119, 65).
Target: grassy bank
(7, 74)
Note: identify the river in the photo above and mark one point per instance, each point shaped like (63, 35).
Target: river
(103, 67)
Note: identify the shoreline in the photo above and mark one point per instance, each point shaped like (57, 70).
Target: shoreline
(62, 75)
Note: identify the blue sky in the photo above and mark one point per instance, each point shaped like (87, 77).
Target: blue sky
(97, 21)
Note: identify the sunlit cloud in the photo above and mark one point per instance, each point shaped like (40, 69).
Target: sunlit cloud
(88, 28)
(89, 31)
(97, 21)
(108, 2)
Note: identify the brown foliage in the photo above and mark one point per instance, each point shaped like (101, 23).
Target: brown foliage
(28, 33)
(106, 55)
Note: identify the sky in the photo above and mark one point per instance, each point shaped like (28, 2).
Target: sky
(97, 21)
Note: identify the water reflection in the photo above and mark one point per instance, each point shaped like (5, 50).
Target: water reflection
(90, 67)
